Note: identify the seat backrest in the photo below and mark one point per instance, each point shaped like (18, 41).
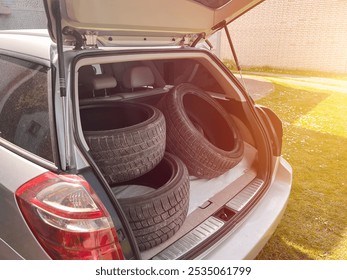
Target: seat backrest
(138, 77)
(140, 81)
(100, 84)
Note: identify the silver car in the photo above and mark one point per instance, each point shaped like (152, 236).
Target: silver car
(122, 136)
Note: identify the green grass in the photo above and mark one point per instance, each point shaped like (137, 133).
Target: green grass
(273, 70)
(300, 72)
(314, 225)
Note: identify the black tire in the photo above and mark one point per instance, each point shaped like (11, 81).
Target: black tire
(157, 215)
(200, 132)
(126, 140)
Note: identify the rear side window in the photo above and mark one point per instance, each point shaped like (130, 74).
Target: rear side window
(24, 117)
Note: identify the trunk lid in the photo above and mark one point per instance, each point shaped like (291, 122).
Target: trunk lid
(139, 22)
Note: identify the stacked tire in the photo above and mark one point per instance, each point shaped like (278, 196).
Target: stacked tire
(160, 208)
(200, 132)
(127, 142)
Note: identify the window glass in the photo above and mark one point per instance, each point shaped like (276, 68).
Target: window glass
(24, 117)
(191, 71)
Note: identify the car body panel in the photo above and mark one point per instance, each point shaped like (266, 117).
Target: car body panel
(19, 42)
(28, 170)
(16, 238)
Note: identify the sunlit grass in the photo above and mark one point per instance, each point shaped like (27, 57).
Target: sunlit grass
(329, 116)
(273, 70)
(315, 143)
(311, 83)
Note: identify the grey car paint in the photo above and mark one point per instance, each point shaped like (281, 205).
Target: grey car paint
(13, 227)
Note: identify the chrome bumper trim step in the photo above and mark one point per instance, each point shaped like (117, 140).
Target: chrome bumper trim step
(243, 197)
(191, 239)
(210, 226)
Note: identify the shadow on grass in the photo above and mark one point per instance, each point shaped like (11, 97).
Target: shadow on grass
(290, 104)
(276, 247)
(315, 223)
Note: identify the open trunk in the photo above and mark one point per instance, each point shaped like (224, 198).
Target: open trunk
(216, 203)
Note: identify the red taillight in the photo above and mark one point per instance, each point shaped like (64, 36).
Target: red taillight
(67, 218)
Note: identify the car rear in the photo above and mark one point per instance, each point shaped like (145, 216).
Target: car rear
(157, 151)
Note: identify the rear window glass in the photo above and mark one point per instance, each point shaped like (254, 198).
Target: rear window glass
(24, 114)
(191, 71)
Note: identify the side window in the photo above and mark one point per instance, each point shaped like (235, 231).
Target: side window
(24, 117)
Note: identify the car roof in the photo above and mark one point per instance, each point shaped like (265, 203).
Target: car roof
(31, 42)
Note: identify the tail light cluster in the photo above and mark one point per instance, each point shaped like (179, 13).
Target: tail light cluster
(68, 218)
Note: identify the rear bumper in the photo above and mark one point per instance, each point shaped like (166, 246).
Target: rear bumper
(246, 241)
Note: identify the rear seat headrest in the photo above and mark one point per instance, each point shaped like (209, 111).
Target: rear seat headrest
(85, 73)
(103, 81)
(138, 76)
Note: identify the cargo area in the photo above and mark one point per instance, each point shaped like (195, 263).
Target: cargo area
(171, 135)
